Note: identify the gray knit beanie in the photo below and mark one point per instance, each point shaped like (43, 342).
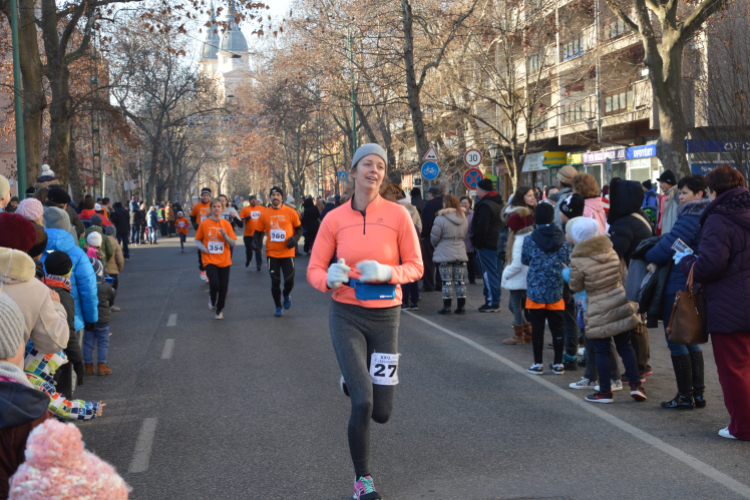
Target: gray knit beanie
(12, 327)
(56, 218)
(96, 220)
(369, 149)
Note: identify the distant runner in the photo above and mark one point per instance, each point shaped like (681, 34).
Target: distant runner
(200, 212)
(251, 215)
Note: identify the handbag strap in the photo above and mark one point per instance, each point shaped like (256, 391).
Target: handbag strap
(691, 282)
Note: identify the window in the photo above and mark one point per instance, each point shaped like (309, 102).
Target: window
(619, 102)
(614, 29)
(573, 48)
(535, 62)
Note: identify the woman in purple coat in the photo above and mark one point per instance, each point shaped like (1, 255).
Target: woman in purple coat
(722, 263)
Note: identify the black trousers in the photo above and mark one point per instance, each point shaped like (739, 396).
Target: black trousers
(122, 239)
(428, 279)
(276, 267)
(250, 249)
(218, 280)
(556, 326)
(471, 267)
(200, 261)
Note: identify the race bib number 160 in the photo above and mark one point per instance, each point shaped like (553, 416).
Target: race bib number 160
(384, 368)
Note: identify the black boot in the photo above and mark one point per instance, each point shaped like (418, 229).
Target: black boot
(684, 374)
(446, 307)
(698, 384)
(460, 306)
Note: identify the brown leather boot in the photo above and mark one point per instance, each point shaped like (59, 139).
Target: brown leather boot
(102, 369)
(527, 333)
(89, 369)
(517, 338)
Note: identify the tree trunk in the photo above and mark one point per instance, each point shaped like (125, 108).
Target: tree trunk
(412, 88)
(74, 180)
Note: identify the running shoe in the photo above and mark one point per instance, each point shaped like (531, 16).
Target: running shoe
(211, 306)
(219, 315)
(414, 307)
(637, 393)
(404, 307)
(536, 369)
(364, 489)
(601, 397)
(615, 386)
(203, 276)
(278, 312)
(114, 309)
(287, 302)
(558, 369)
(344, 388)
(584, 383)
(725, 433)
(488, 308)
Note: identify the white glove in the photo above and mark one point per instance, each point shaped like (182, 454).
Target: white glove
(371, 270)
(338, 274)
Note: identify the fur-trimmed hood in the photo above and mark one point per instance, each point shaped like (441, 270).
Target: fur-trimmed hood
(451, 215)
(693, 208)
(595, 248)
(510, 210)
(15, 266)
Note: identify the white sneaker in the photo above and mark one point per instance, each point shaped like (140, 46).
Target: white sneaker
(584, 383)
(616, 386)
(558, 369)
(219, 315)
(210, 306)
(536, 369)
(725, 433)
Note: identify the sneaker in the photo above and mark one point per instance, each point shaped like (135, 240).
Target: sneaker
(584, 383)
(287, 302)
(404, 307)
(648, 373)
(114, 309)
(615, 386)
(343, 386)
(219, 315)
(278, 312)
(364, 489)
(414, 307)
(558, 369)
(725, 433)
(637, 393)
(211, 306)
(601, 397)
(536, 369)
(203, 276)
(488, 308)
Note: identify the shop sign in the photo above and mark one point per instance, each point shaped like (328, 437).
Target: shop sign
(575, 159)
(555, 158)
(534, 162)
(602, 156)
(703, 168)
(637, 152)
(715, 146)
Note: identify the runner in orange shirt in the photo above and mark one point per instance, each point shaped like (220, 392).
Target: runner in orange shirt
(251, 214)
(200, 212)
(284, 229)
(182, 225)
(214, 237)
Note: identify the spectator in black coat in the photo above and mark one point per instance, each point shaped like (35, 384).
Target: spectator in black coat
(120, 217)
(310, 223)
(330, 205)
(416, 200)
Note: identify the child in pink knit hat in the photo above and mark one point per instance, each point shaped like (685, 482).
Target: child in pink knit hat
(57, 468)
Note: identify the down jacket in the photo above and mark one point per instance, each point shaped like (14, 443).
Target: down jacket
(447, 236)
(117, 262)
(595, 267)
(546, 253)
(515, 273)
(412, 211)
(628, 224)
(82, 279)
(45, 320)
(722, 262)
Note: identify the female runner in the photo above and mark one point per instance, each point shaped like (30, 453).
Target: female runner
(214, 238)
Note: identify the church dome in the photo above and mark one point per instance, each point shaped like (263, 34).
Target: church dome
(232, 40)
(212, 41)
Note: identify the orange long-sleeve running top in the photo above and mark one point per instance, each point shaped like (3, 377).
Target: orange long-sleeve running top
(384, 233)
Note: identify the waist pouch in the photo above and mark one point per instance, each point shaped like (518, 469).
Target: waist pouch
(373, 291)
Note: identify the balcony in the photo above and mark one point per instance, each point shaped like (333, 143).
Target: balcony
(633, 97)
(578, 111)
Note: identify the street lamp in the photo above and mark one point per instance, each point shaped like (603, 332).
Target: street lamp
(494, 151)
(351, 70)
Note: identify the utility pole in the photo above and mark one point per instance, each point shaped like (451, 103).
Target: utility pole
(17, 101)
(96, 143)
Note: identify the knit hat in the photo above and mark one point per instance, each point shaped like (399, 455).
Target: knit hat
(4, 187)
(40, 244)
(582, 228)
(485, 185)
(56, 218)
(520, 220)
(205, 190)
(47, 171)
(96, 220)
(180, 214)
(290, 199)
(58, 195)
(566, 174)
(647, 184)
(110, 231)
(14, 198)
(94, 239)
(544, 214)
(31, 208)
(58, 466)
(12, 327)
(97, 265)
(276, 189)
(369, 149)
(572, 206)
(668, 177)
(97, 207)
(16, 232)
(58, 263)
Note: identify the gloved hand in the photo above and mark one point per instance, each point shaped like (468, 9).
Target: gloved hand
(291, 242)
(371, 270)
(678, 256)
(338, 274)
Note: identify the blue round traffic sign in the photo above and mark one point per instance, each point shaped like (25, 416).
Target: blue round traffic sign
(430, 170)
(471, 177)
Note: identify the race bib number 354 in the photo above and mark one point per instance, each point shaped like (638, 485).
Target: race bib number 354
(384, 368)
(278, 235)
(215, 247)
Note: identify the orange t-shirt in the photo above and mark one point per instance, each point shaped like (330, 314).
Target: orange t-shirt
(279, 225)
(251, 215)
(208, 233)
(201, 211)
(182, 225)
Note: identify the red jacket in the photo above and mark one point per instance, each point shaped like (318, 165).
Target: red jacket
(87, 213)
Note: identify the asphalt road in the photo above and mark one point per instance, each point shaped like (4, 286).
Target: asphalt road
(249, 407)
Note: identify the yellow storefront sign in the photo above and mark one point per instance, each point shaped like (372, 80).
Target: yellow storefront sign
(575, 158)
(555, 158)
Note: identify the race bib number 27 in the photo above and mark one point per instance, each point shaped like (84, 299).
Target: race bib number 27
(384, 368)
(278, 235)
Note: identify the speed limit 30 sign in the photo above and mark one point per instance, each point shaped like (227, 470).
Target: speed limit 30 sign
(473, 158)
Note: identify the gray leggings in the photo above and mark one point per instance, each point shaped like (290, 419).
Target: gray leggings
(356, 333)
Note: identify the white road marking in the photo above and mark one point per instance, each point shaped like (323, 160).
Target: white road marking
(172, 321)
(142, 453)
(168, 348)
(657, 443)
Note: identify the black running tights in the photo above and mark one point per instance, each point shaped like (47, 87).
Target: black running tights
(276, 267)
(218, 280)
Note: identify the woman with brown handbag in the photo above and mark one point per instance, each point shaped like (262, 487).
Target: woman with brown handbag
(687, 360)
(722, 264)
